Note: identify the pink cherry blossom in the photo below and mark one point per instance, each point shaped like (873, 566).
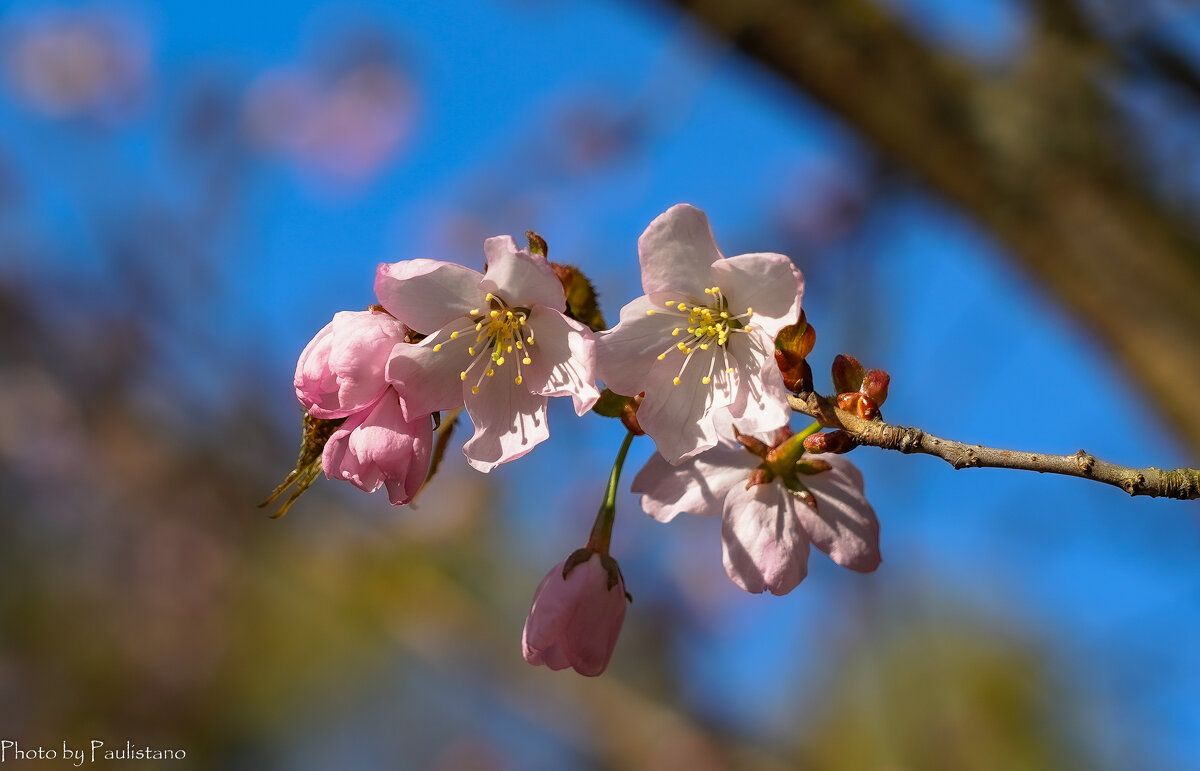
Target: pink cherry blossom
(766, 529)
(575, 620)
(700, 342)
(341, 370)
(497, 343)
(378, 446)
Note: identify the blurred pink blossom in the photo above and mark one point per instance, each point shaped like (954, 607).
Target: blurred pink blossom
(348, 126)
(77, 62)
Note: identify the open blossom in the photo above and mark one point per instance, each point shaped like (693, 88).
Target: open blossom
(766, 528)
(341, 370)
(700, 342)
(377, 446)
(575, 621)
(497, 342)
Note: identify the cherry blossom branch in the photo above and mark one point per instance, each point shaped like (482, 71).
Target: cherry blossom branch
(1181, 484)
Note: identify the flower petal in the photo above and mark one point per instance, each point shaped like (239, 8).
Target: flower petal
(697, 486)
(762, 543)
(768, 283)
(341, 369)
(427, 294)
(676, 251)
(626, 353)
(844, 525)
(563, 358)
(761, 403)
(547, 617)
(679, 417)
(378, 446)
(519, 278)
(509, 422)
(591, 631)
(429, 381)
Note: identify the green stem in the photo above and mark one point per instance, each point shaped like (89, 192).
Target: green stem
(782, 460)
(814, 428)
(601, 534)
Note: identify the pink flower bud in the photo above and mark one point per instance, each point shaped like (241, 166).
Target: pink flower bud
(575, 619)
(341, 371)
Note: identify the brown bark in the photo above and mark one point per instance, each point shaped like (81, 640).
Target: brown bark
(1032, 154)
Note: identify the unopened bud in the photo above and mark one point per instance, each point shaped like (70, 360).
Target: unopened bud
(875, 385)
(836, 442)
(848, 374)
(848, 401)
(867, 409)
(581, 296)
(793, 343)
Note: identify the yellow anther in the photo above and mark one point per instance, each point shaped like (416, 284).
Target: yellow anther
(508, 349)
(474, 312)
(675, 381)
(462, 375)
(518, 345)
(471, 350)
(729, 371)
(704, 346)
(489, 297)
(706, 380)
(490, 372)
(517, 380)
(479, 326)
(474, 389)
(454, 335)
(662, 356)
(724, 315)
(675, 332)
(494, 314)
(749, 311)
(529, 339)
(509, 314)
(527, 360)
(650, 312)
(437, 347)
(500, 362)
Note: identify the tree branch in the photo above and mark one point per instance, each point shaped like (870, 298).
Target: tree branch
(1181, 484)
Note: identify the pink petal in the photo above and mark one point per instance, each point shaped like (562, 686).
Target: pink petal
(429, 381)
(341, 370)
(697, 486)
(763, 545)
(509, 422)
(625, 353)
(519, 278)
(844, 525)
(676, 251)
(428, 294)
(563, 359)
(768, 283)
(377, 446)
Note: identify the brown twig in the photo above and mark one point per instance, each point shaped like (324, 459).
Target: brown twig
(1181, 484)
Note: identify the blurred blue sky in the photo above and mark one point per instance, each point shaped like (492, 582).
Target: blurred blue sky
(1107, 588)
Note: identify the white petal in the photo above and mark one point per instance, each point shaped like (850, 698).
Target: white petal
(427, 294)
(761, 402)
(697, 486)
(519, 278)
(676, 251)
(563, 358)
(509, 422)
(768, 283)
(678, 417)
(428, 381)
(626, 353)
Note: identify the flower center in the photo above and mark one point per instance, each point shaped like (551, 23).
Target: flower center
(502, 335)
(708, 324)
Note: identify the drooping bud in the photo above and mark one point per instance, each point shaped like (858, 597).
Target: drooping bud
(576, 615)
(875, 385)
(836, 442)
(581, 296)
(848, 374)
